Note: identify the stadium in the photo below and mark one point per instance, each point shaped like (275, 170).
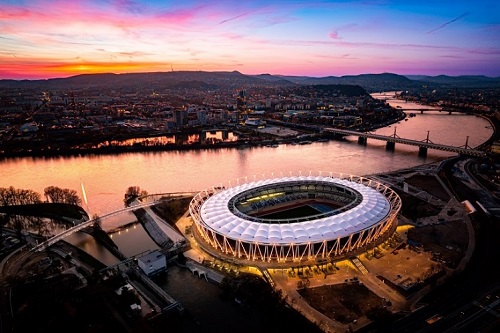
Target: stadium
(294, 219)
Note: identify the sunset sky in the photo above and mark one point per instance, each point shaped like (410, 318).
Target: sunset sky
(57, 38)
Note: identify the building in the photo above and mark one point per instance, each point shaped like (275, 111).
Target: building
(255, 122)
(290, 220)
(152, 263)
(179, 118)
(241, 100)
(347, 121)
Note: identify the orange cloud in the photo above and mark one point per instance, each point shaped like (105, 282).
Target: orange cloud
(50, 69)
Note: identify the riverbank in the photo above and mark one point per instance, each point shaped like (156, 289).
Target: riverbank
(314, 131)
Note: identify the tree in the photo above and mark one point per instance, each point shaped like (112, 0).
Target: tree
(11, 197)
(55, 194)
(132, 193)
(71, 197)
(97, 220)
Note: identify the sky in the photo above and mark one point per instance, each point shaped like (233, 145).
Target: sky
(56, 38)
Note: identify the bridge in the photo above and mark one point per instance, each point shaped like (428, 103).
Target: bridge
(422, 145)
(163, 196)
(423, 108)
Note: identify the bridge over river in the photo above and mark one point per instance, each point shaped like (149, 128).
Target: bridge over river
(162, 196)
(392, 140)
(423, 108)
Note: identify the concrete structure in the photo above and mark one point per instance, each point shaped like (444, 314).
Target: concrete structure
(255, 122)
(346, 213)
(152, 263)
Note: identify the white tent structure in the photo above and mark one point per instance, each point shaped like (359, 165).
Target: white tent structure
(229, 219)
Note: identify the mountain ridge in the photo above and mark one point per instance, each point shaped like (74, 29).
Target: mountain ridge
(211, 80)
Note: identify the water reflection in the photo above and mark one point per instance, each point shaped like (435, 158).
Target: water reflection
(209, 137)
(133, 240)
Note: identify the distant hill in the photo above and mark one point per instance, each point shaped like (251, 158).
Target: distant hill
(156, 80)
(370, 82)
(328, 90)
(463, 81)
(206, 81)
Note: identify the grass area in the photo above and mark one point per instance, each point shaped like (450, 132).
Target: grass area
(295, 212)
(343, 302)
(172, 210)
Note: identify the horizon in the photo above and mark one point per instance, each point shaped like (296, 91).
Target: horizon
(315, 39)
(229, 71)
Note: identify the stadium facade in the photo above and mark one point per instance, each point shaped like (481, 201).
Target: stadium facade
(294, 218)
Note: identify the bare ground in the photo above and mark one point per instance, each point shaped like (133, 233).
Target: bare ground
(447, 241)
(429, 184)
(342, 302)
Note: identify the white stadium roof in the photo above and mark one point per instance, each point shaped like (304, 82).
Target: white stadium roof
(217, 216)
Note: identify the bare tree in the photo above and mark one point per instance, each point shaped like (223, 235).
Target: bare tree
(55, 194)
(71, 197)
(132, 193)
(97, 220)
(11, 197)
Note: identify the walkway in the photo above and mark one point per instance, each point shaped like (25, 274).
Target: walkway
(346, 271)
(166, 228)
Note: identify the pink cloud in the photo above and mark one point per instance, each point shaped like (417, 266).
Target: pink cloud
(334, 35)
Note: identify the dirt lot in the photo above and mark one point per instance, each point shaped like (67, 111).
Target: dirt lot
(429, 184)
(414, 208)
(447, 241)
(341, 302)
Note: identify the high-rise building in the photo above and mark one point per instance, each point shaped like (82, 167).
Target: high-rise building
(241, 100)
(178, 118)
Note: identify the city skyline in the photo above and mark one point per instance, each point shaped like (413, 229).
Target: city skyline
(46, 39)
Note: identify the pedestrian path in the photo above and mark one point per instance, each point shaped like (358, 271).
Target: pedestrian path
(359, 265)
